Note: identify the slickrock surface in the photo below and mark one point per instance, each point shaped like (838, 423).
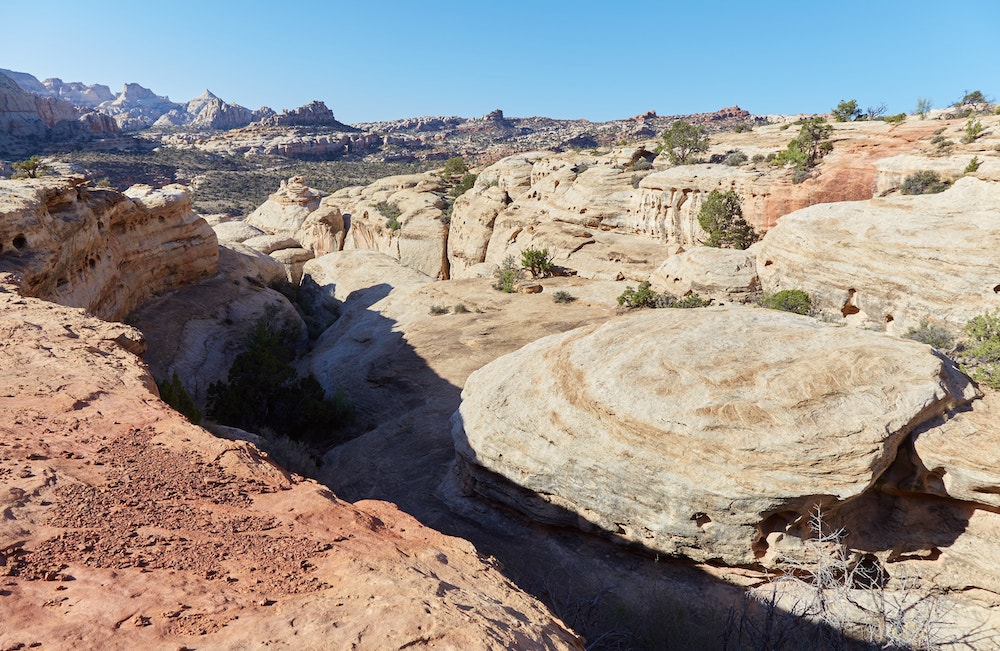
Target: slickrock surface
(726, 274)
(403, 367)
(895, 261)
(705, 433)
(99, 249)
(123, 526)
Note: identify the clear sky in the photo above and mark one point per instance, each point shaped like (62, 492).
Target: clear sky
(385, 59)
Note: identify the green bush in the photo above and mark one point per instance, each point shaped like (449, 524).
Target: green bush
(563, 297)
(173, 393)
(263, 389)
(935, 336)
(808, 147)
(460, 309)
(972, 130)
(507, 274)
(973, 166)
(642, 296)
(691, 301)
(788, 300)
(393, 224)
(721, 216)
(682, 140)
(898, 118)
(538, 262)
(464, 185)
(981, 349)
(29, 168)
(454, 167)
(923, 182)
(388, 210)
(439, 309)
(846, 111)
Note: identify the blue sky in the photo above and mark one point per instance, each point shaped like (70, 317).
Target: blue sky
(382, 59)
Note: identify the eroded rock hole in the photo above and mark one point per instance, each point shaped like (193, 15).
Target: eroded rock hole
(996, 290)
(768, 263)
(701, 519)
(772, 529)
(20, 242)
(849, 307)
(869, 573)
(888, 318)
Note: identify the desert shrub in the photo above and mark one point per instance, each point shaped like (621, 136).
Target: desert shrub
(29, 168)
(388, 210)
(721, 216)
(805, 150)
(173, 393)
(642, 296)
(682, 140)
(923, 182)
(439, 309)
(973, 166)
(758, 158)
(635, 180)
(464, 185)
(742, 127)
(460, 309)
(691, 301)
(454, 167)
(642, 165)
(263, 389)
(788, 300)
(537, 261)
(735, 159)
(935, 336)
(563, 297)
(898, 118)
(292, 455)
(981, 349)
(924, 105)
(835, 598)
(507, 275)
(393, 224)
(800, 175)
(972, 130)
(846, 110)
(973, 98)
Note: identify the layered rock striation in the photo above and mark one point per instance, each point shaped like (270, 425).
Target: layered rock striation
(892, 263)
(99, 249)
(707, 433)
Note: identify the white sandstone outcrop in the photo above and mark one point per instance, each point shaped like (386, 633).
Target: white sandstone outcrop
(100, 249)
(892, 262)
(706, 433)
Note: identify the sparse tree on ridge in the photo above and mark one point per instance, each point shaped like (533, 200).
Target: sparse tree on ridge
(683, 139)
(846, 111)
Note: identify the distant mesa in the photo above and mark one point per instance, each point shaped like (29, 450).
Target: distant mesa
(730, 113)
(313, 114)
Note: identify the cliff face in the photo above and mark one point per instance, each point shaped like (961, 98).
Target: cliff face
(99, 249)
